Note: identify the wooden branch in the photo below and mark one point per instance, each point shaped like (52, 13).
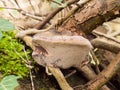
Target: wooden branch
(60, 78)
(98, 14)
(95, 60)
(105, 75)
(94, 14)
(33, 16)
(52, 14)
(106, 42)
(28, 41)
(109, 37)
(87, 72)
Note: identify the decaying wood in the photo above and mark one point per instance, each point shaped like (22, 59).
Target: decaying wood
(105, 75)
(113, 27)
(106, 42)
(40, 25)
(106, 12)
(52, 14)
(60, 78)
(87, 72)
(93, 14)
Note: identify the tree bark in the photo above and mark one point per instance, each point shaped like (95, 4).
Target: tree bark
(93, 14)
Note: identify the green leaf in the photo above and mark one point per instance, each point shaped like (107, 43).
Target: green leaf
(5, 25)
(0, 35)
(9, 82)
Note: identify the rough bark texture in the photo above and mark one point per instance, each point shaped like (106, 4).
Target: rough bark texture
(93, 14)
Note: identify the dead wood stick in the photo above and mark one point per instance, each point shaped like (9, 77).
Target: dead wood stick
(28, 41)
(99, 34)
(52, 14)
(96, 61)
(31, 5)
(33, 16)
(70, 74)
(60, 78)
(87, 72)
(23, 34)
(106, 44)
(105, 75)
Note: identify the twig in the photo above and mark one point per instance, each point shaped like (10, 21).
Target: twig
(20, 56)
(52, 14)
(61, 21)
(106, 44)
(4, 3)
(96, 61)
(22, 34)
(26, 61)
(31, 16)
(17, 3)
(60, 78)
(105, 36)
(12, 2)
(47, 71)
(24, 13)
(71, 73)
(32, 6)
(31, 78)
(18, 9)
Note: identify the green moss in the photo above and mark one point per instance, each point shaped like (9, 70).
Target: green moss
(11, 51)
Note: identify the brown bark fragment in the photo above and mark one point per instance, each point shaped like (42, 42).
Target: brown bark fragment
(91, 9)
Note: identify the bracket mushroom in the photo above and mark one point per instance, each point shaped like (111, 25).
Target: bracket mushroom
(60, 50)
(53, 50)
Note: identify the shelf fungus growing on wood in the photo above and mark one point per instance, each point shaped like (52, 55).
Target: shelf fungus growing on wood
(60, 51)
(52, 49)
